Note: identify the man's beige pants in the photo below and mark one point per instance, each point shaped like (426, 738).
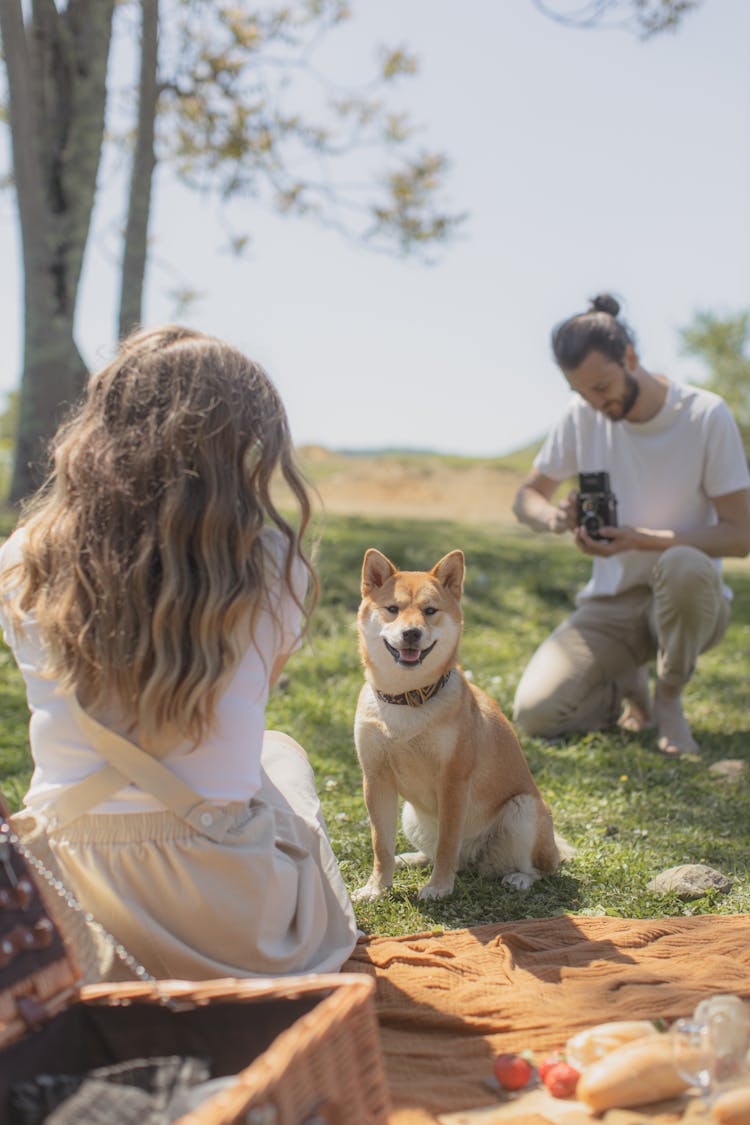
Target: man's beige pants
(574, 681)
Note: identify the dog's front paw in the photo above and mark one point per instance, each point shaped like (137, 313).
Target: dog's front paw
(519, 880)
(435, 889)
(372, 890)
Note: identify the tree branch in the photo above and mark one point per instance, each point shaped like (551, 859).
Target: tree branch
(646, 17)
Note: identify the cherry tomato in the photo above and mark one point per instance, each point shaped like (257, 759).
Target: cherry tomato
(512, 1071)
(561, 1080)
(547, 1063)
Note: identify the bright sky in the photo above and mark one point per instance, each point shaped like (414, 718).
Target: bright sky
(587, 160)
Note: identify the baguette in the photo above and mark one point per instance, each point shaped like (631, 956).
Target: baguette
(635, 1074)
(589, 1045)
(733, 1107)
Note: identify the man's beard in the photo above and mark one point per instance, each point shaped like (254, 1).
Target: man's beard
(632, 390)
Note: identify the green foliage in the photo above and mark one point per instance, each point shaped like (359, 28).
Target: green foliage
(247, 111)
(723, 343)
(9, 418)
(629, 812)
(8, 519)
(8, 427)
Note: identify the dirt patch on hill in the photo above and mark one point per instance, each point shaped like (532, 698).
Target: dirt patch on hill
(421, 486)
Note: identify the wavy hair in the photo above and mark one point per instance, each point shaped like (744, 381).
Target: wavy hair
(143, 560)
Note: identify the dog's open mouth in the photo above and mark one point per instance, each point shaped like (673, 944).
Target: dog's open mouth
(413, 656)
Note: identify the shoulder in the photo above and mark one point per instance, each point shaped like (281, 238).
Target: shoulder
(571, 416)
(275, 550)
(11, 550)
(578, 418)
(701, 403)
(712, 421)
(577, 408)
(275, 547)
(276, 555)
(579, 415)
(11, 556)
(714, 438)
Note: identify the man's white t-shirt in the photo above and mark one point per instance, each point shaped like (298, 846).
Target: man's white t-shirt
(224, 767)
(664, 472)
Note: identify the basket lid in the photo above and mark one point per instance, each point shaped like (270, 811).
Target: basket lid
(38, 975)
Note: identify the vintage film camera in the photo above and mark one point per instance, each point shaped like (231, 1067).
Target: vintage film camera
(597, 504)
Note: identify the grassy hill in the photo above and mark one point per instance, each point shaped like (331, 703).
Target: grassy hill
(518, 461)
(416, 484)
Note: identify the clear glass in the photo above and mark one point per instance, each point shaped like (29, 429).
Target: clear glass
(692, 1051)
(729, 1034)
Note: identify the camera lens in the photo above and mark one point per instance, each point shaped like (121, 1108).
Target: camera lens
(592, 524)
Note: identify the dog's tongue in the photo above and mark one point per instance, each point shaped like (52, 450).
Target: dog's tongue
(409, 655)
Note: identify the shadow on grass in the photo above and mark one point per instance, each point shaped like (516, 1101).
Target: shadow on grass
(488, 901)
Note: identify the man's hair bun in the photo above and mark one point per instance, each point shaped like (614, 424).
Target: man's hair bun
(605, 303)
(599, 329)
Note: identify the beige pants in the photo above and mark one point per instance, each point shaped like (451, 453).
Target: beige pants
(574, 681)
(266, 899)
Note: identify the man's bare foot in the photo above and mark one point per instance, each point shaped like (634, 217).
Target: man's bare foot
(636, 714)
(675, 736)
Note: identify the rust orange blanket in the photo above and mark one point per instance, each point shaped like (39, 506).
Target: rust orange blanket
(448, 1002)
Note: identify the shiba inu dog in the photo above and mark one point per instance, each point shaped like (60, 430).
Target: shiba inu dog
(424, 732)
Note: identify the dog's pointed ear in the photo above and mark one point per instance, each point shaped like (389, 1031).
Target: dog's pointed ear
(376, 570)
(450, 572)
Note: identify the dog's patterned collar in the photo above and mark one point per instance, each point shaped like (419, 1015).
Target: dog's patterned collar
(417, 696)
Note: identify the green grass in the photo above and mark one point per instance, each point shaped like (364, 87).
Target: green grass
(629, 812)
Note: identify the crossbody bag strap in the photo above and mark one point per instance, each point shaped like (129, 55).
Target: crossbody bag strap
(129, 763)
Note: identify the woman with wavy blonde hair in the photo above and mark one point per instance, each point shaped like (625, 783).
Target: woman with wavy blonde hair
(151, 595)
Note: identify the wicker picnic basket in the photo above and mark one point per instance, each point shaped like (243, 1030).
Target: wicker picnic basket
(300, 1049)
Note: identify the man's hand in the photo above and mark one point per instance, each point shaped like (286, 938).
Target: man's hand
(729, 537)
(617, 539)
(565, 514)
(534, 505)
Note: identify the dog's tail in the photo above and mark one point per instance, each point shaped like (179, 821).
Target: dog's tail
(566, 850)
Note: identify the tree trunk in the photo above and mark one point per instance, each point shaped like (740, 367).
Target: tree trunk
(144, 161)
(52, 378)
(57, 70)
